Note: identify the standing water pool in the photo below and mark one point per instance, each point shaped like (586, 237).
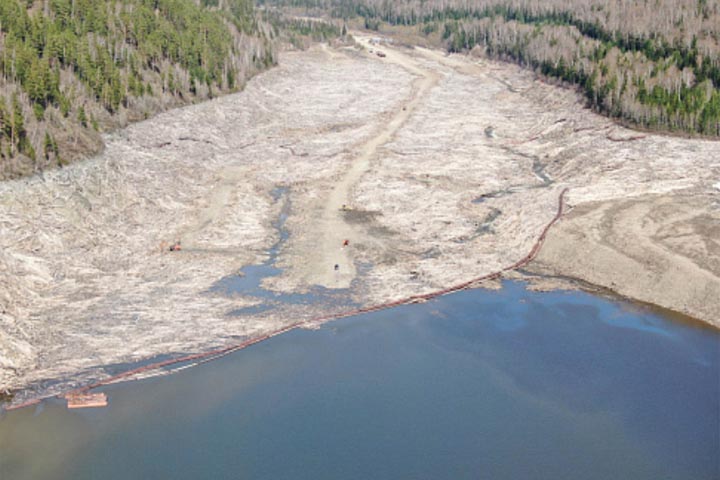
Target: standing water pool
(508, 384)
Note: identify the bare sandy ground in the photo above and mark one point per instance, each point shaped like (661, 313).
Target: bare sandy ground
(330, 264)
(661, 249)
(433, 197)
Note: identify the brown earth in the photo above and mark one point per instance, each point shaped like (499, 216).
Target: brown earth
(660, 249)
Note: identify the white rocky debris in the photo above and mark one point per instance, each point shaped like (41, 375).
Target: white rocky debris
(431, 199)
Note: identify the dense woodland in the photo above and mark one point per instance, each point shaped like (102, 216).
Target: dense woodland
(71, 68)
(654, 63)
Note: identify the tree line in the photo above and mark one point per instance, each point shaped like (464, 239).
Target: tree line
(301, 32)
(86, 64)
(653, 63)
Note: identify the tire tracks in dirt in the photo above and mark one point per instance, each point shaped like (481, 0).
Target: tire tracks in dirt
(332, 229)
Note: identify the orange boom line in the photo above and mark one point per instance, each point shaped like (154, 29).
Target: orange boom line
(220, 352)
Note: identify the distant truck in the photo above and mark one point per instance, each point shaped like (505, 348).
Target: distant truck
(381, 54)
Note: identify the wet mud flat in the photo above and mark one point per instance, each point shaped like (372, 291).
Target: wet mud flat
(388, 153)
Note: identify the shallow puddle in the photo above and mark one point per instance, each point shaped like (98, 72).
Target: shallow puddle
(249, 280)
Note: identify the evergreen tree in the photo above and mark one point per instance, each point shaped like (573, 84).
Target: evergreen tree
(100, 54)
(82, 117)
(4, 122)
(18, 133)
(47, 146)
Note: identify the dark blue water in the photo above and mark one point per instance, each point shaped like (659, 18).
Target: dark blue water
(475, 385)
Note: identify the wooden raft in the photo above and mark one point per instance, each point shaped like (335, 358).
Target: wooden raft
(86, 400)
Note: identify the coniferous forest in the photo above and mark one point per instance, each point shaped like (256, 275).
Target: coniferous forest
(651, 63)
(72, 68)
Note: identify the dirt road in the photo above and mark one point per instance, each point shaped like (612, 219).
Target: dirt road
(331, 265)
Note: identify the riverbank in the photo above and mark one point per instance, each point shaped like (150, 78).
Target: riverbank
(658, 249)
(449, 168)
(475, 381)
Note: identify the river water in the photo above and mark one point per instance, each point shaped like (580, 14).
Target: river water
(507, 384)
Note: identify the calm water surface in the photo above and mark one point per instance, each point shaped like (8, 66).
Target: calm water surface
(475, 385)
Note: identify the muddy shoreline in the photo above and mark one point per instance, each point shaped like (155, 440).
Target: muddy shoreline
(391, 154)
(658, 249)
(538, 280)
(530, 274)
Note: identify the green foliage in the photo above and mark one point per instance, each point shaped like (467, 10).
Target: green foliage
(17, 122)
(82, 116)
(50, 146)
(98, 40)
(676, 107)
(295, 28)
(578, 45)
(115, 50)
(5, 123)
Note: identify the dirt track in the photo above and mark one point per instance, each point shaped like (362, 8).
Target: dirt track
(434, 197)
(333, 230)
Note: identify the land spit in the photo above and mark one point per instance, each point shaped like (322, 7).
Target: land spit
(435, 168)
